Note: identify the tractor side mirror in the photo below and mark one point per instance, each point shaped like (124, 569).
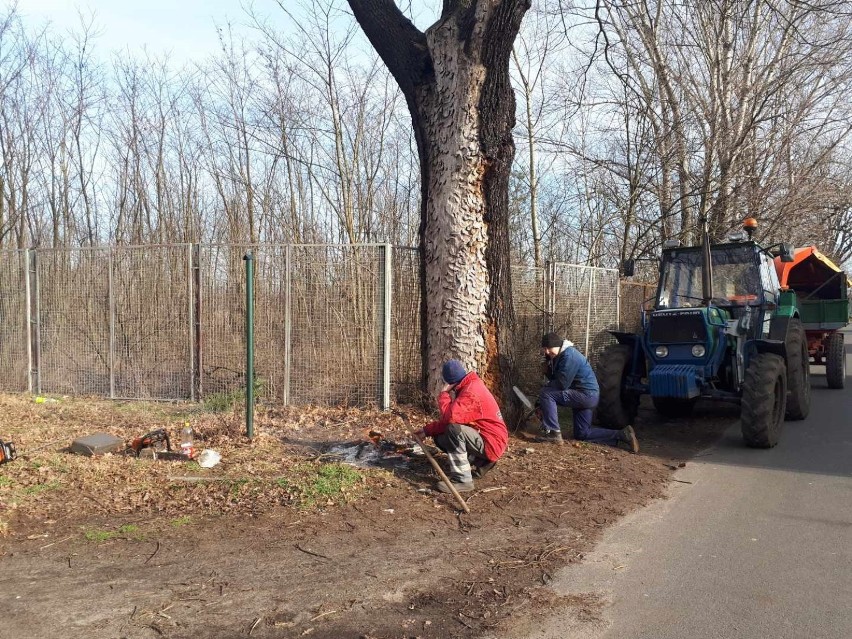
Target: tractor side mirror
(628, 267)
(786, 252)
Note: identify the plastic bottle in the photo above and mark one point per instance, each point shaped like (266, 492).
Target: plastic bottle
(187, 446)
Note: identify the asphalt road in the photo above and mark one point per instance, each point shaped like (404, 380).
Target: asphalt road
(757, 544)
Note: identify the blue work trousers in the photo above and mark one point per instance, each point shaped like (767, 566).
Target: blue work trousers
(582, 404)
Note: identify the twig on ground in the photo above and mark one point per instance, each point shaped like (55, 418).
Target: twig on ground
(330, 612)
(310, 552)
(254, 625)
(153, 553)
(683, 481)
(56, 542)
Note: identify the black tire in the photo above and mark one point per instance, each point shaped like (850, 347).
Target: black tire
(764, 399)
(798, 372)
(674, 406)
(617, 408)
(835, 361)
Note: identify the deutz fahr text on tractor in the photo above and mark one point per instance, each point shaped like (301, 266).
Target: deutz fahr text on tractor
(721, 328)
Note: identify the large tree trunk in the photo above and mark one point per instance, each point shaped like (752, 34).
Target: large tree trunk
(455, 79)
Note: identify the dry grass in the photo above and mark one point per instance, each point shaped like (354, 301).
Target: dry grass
(47, 482)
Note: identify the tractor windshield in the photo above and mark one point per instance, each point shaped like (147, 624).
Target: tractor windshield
(736, 276)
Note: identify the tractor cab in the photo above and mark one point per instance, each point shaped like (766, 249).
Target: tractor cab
(744, 284)
(743, 275)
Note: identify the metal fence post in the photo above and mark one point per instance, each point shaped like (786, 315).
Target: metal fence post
(386, 326)
(36, 343)
(549, 294)
(288, 256)
(29, 318)
(195, 258)
(617, 302)
(111, 302)
(589, 309)
(249, 259)
(190, 298)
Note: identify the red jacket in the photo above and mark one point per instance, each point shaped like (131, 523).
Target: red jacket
(476, 407)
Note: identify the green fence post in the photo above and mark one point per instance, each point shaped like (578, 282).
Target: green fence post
(249, 259)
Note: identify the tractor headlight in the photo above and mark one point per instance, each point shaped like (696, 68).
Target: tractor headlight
(698, 350)
(661, 351)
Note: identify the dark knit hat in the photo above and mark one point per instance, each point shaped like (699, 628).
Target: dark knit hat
(551, 340)
(453, 371)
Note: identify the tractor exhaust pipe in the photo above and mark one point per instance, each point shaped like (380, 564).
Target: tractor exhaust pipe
(706, 265)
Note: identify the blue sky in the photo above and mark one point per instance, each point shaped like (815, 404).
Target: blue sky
(183, 29)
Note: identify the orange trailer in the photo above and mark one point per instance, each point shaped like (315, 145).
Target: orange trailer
(822, 290)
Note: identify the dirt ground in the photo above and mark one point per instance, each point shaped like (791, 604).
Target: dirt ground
(282, 540)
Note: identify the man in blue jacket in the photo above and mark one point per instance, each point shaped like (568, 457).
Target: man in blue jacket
(572, 382)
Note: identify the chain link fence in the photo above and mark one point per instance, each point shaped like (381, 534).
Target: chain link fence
(334, 324)
(14, 331)
(635, 297)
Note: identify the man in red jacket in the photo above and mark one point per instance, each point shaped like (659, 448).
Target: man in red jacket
(471, 429)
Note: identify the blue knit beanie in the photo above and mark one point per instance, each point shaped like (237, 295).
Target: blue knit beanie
(453, 371)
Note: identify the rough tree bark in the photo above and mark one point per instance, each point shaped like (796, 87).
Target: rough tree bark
(455, 79)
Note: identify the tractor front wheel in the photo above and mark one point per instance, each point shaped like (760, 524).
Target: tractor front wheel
(835, 361)
(617, 407)
(798, 373)
(763, 401)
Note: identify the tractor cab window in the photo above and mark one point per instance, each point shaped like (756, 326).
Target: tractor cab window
(736, 277)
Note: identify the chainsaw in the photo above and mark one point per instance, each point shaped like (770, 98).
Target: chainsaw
(154, 439)
(7, 452)
(528, 405)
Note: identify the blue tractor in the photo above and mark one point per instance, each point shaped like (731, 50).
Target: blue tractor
(721, 328)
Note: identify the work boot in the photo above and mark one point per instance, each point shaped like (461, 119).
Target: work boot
(628, 436)
(460, 486)
(549, 436)
(479, 472)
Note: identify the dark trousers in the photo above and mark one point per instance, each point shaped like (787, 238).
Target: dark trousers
(463, 446)
(582, 405)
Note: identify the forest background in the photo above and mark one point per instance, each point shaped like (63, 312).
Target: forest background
(634, 120)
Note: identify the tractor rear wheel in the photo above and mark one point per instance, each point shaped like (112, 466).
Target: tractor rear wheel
(763, 401)
(798, 372)
(835, 361)
(617, 407)
(674, 406)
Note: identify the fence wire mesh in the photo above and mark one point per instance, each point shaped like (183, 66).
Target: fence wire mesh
(406, 357)
(604, 312)
(531, 322)
(151, 351)
(337, 319)
(14, 340)
(221, 316)
(73, 321)
(635, 296)
(571, 302)
(168, 322)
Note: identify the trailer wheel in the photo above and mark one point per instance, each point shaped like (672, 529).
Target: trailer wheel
(674, 406)
(798, 373)
(617, 407)
(835, 361)
(763, 401)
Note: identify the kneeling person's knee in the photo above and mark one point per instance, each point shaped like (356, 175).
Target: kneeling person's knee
(454, 430)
